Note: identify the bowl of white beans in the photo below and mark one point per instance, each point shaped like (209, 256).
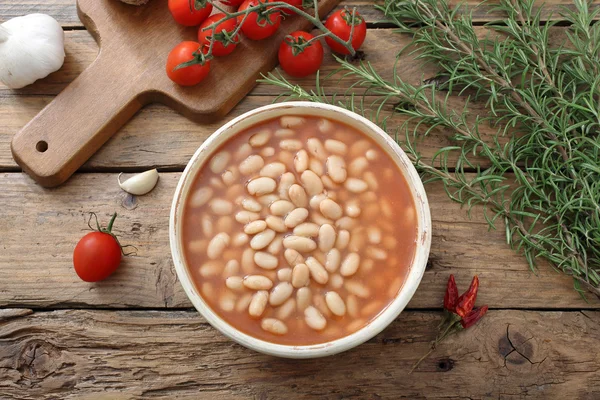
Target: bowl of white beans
(300, 230)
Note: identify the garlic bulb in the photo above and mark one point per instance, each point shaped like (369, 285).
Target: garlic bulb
(139, 184)
(31, 48)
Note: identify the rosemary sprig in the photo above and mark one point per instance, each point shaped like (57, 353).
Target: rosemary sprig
(542, 168)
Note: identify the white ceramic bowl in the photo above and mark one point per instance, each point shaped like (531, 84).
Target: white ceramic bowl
(335, 113)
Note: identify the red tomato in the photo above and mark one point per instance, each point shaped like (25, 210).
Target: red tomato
(340, 24)
(204, 37)
(190, 16)
(295, 3)
(96, 256)
(191, 75)
(304, 63)
(254, 29)
(234, 3)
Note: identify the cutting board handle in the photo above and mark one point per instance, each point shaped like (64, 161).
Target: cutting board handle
(53, 145)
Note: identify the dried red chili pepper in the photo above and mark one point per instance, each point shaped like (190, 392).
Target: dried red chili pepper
(467, 300)
(475, 315)
(451, 296)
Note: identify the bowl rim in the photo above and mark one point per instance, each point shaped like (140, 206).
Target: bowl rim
(387, 315)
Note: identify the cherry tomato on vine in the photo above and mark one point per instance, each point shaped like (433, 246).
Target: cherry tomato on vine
(234, 3)
(188, 53)
(190, 12)
(228, 26)
(256, 26)
(340, 23)
(98, 254)
(297, 58)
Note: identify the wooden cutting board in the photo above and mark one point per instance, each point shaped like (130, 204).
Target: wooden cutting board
(128, 73)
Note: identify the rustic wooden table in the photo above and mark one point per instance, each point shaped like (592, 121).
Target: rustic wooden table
(136, 335)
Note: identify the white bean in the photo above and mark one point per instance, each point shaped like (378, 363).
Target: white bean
(320, 256)
(298, 196)
(371, 180)
(281, 207)
(350, 264)
(336, 146)
(357, 288)
(276, 245)
(353, 209)
(314, 318)
(243, 303)
(284, 274)
(317, 271)
(207, 225)
(375, 252)
(296, 217)
(266, 260)
(268, 199)
(355, 185)
(280, 293)
(230, 176)
(249, 204)
(210, 268)
(326, 238)
(262, 239)
(260, 186)
(258, 282)
(286, 181)
(231, 268)
(301, 161)
(336, 168)
(227, 302)
(244, 151)
(258, 304)
(315, 201)
(358, 166)
(374, 235)
(359, 148)
(286, 157)
(333, 260)
(343, 239)
(235, 283)
(251, 164)
(255, 227)
(335, 303)
(217, 245)
(221, 207)
(358, 240)
(290, 121)
(315, 147)
(372, 155)
(386, 208)
(216, 182)
(198, 246)
(336, 281)
(300, 276)
(307, 229)
(299, 243)
(282, 133)
(201, 196)
(219, 161)
(286, 310)
(274, 326)
(207, 290)
(346, 223)
(273, 170)
(319, 219)
(316, 166)
(352, 306)
(303, 296)
(311, 182)
(290, 144)
(293, 257)
(324, 125)
(245, 217)
(331, 209)
(248, 260)
(239, 239)
(260, 138)
(275, 223)
(267, 152)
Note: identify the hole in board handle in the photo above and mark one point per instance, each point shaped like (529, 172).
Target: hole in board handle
(41, 146)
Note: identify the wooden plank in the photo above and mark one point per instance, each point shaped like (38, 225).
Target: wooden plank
(64, 11)
(134, 354)
(39, 229)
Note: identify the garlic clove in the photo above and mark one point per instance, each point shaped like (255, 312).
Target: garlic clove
(139, 184)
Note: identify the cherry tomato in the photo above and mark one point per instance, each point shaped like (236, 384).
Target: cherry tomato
(204, 37)
(340, 24)
(98, 254)
(191, 75)
(190, 16)
(295, 3)
(234, 3)
(298, 62)
(255, 29)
